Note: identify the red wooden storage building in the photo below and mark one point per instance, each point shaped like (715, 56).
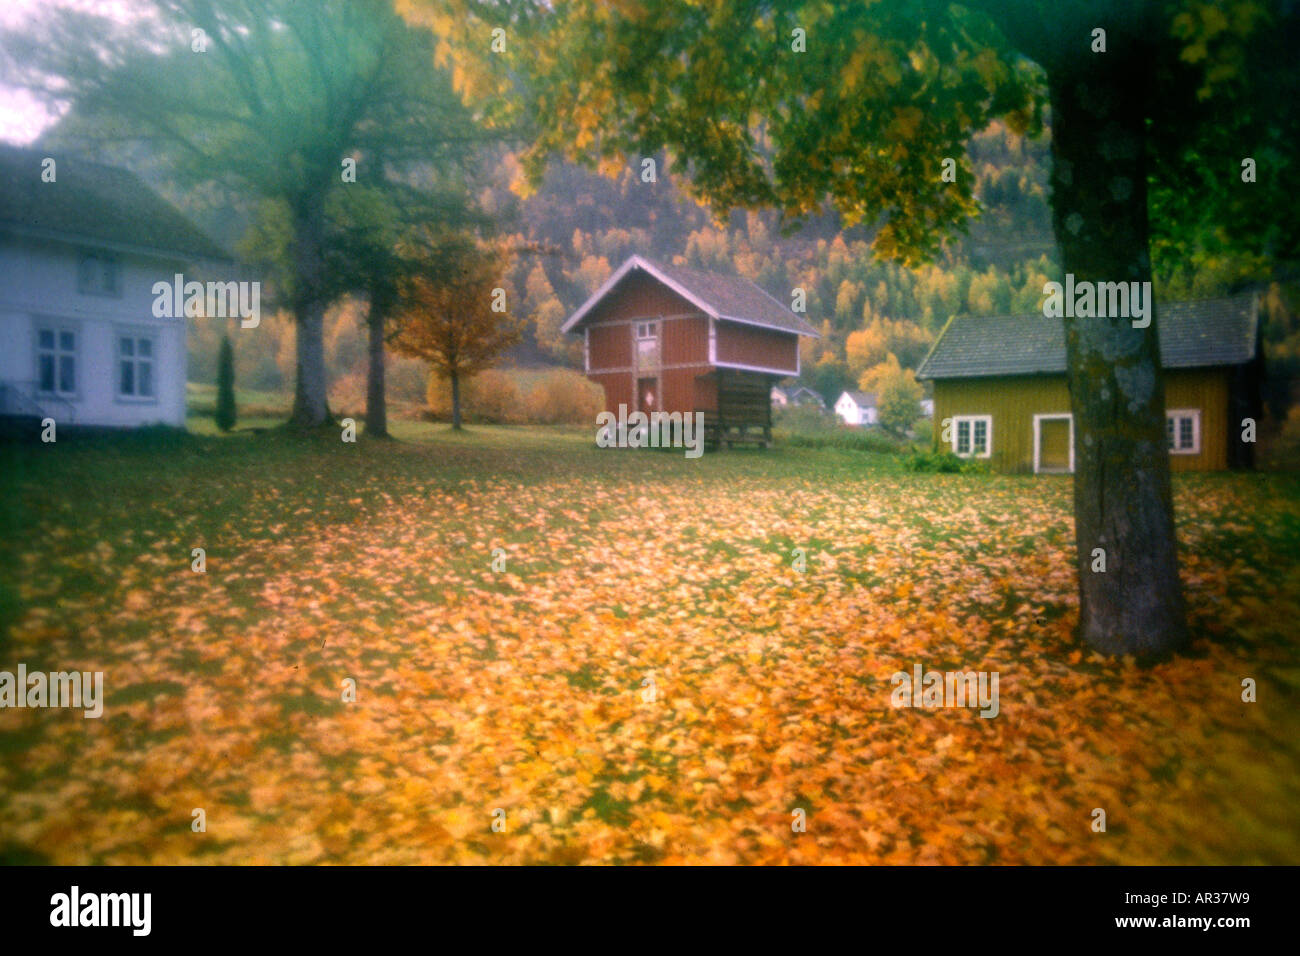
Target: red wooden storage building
(671, 339)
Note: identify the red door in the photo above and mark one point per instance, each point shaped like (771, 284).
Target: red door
(646, 398)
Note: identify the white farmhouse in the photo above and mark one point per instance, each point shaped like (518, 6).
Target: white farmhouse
(857, 408)
(81, 248)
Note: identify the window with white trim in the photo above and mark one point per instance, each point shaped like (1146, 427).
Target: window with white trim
(56, 360)
(972, 435)
(135, 358)
(647, 344)
(99, 274)
(1183, 431)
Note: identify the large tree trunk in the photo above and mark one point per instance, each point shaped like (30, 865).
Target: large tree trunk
(376, 404)
(455, 401)
(310, 407)
(1122, 500)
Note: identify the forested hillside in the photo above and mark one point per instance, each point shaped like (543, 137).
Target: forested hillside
(877, 318)
(866, 309)
(578, 227)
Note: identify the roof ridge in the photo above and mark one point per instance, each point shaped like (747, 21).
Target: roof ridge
(1227, 297)
(79, 157)
(1192, 333)
(724, 296)
(727, 275)
(99, 204)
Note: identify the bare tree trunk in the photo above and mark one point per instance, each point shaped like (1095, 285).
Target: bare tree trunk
(310, 405)
(1123, 507)
(376, 403)
(455, 401)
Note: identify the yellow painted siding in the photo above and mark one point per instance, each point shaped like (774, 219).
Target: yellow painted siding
(1014, 401)
(1206, 389)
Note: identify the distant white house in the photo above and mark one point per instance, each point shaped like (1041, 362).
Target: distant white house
(857, 408)
(795, 395)
(803, 395)
(79, 258)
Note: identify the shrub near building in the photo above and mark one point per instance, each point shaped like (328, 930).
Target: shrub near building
(491, 397)
(562, 397)
(496, 396)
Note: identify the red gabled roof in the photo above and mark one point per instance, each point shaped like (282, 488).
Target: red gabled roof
(730, 298)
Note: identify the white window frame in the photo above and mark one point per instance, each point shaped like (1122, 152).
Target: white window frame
(586, 349)
(988, 435)
(58, 352)
(108, 266)
(1175, 414)
(135, 335)
(647, 347)
(1051, 416)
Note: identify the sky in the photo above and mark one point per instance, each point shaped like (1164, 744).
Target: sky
(22, 118)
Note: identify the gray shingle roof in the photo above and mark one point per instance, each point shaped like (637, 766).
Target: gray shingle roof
(735, 297)
(91, 201)
(861, 399)
(1198, 334)
(723, 297)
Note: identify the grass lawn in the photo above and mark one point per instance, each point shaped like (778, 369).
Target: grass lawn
(649, 678)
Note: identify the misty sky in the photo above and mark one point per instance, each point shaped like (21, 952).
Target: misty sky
(22, 118)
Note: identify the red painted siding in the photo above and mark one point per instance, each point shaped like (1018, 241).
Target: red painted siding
(679, 389)
(751, 345)
(618, 390)
(639, 296)
(682, 379)
(685, 341)
(610, 347)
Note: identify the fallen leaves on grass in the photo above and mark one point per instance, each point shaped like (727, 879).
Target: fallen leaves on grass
(524, 691)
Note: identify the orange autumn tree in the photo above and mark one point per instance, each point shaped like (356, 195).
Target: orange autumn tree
(453, 313)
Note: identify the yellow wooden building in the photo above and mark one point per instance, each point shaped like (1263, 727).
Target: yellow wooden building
(1000, 393)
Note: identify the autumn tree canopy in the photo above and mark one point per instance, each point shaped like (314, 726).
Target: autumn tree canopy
(452, 312)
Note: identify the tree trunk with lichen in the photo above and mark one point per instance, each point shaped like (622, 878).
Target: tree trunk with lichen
(1122, 500)
(310, 405)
